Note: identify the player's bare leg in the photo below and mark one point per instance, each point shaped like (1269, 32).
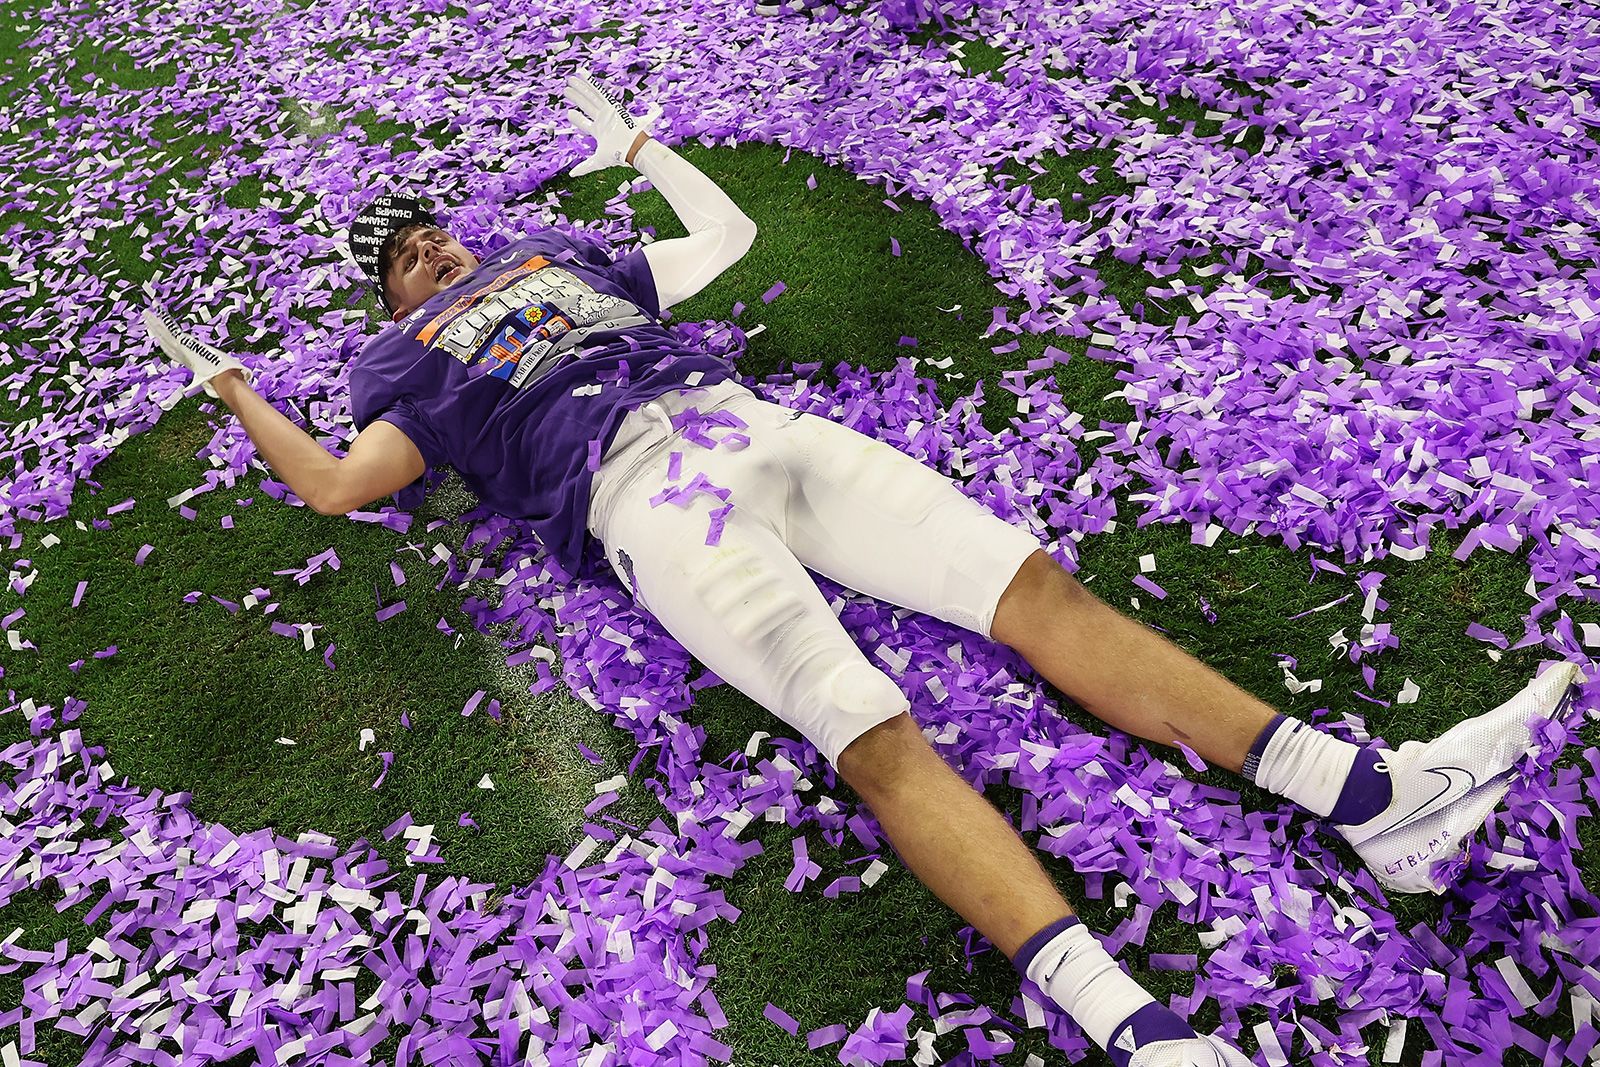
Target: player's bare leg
(1403, 810)
(970, 857)
(950, 836)
(1121, 671)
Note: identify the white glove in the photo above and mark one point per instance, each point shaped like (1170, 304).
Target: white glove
(602, 116)
(1205, 1051)
(183, 347)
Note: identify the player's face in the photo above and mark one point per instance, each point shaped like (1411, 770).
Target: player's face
(428, 261)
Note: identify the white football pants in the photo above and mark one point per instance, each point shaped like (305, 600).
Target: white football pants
(806, 492)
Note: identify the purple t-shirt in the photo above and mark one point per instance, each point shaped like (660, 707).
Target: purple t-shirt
(497, 376)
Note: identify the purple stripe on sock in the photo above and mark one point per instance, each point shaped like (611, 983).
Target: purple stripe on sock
(1366, 792)
(1151, 1023)
(1030, 948)
(1258, 748)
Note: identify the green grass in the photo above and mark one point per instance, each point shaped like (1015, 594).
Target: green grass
(848, 297)
(197, 697)
(244, 687)
(116, 66)
(975, 54)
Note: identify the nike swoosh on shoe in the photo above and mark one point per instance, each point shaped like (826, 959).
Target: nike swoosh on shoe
(1402, 854)
(1458, 782)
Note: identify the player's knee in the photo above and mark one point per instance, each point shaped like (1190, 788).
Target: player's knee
(867, 707)
(1042, 593)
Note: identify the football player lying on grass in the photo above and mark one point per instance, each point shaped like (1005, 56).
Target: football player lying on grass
(508, 367)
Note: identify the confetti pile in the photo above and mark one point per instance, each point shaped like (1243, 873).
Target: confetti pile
(1390, 210)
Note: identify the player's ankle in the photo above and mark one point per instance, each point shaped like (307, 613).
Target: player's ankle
(1074, 970)
(1367, 789)
(1320, 772)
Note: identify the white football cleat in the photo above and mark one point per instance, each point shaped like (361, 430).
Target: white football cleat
(1190, 1052)
(1446, 789)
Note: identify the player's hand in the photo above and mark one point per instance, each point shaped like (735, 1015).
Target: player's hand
(602, 116)
(204, 361)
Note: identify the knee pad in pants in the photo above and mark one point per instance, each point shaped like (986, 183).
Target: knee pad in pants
(852, 701)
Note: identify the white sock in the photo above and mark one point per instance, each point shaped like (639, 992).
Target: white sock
(1305, 765)
(1078, 974)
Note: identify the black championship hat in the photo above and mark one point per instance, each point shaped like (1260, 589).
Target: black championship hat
(376, 224)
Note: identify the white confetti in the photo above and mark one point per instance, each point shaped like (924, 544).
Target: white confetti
(1408, 693)
(485, 782)
(1126, 794)
(1519, 985)
(661, 1035)
(1396, 1042)
(1295, 685)
(1268, 1040)
(1583, 1006)
(1180, 891)
(583, 851)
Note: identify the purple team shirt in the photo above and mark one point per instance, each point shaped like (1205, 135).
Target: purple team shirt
(483, 376)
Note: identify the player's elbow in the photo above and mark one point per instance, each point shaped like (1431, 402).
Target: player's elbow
(741, 235)
(327, 504)
(327, 495)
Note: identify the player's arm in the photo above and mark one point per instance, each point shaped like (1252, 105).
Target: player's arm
(381, 460)
(303, 464)
(719, 233)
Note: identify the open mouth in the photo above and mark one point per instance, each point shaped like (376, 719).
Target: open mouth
(446, 271)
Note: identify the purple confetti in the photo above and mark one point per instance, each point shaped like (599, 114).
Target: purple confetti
(1383, 345)
(781, 1019)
